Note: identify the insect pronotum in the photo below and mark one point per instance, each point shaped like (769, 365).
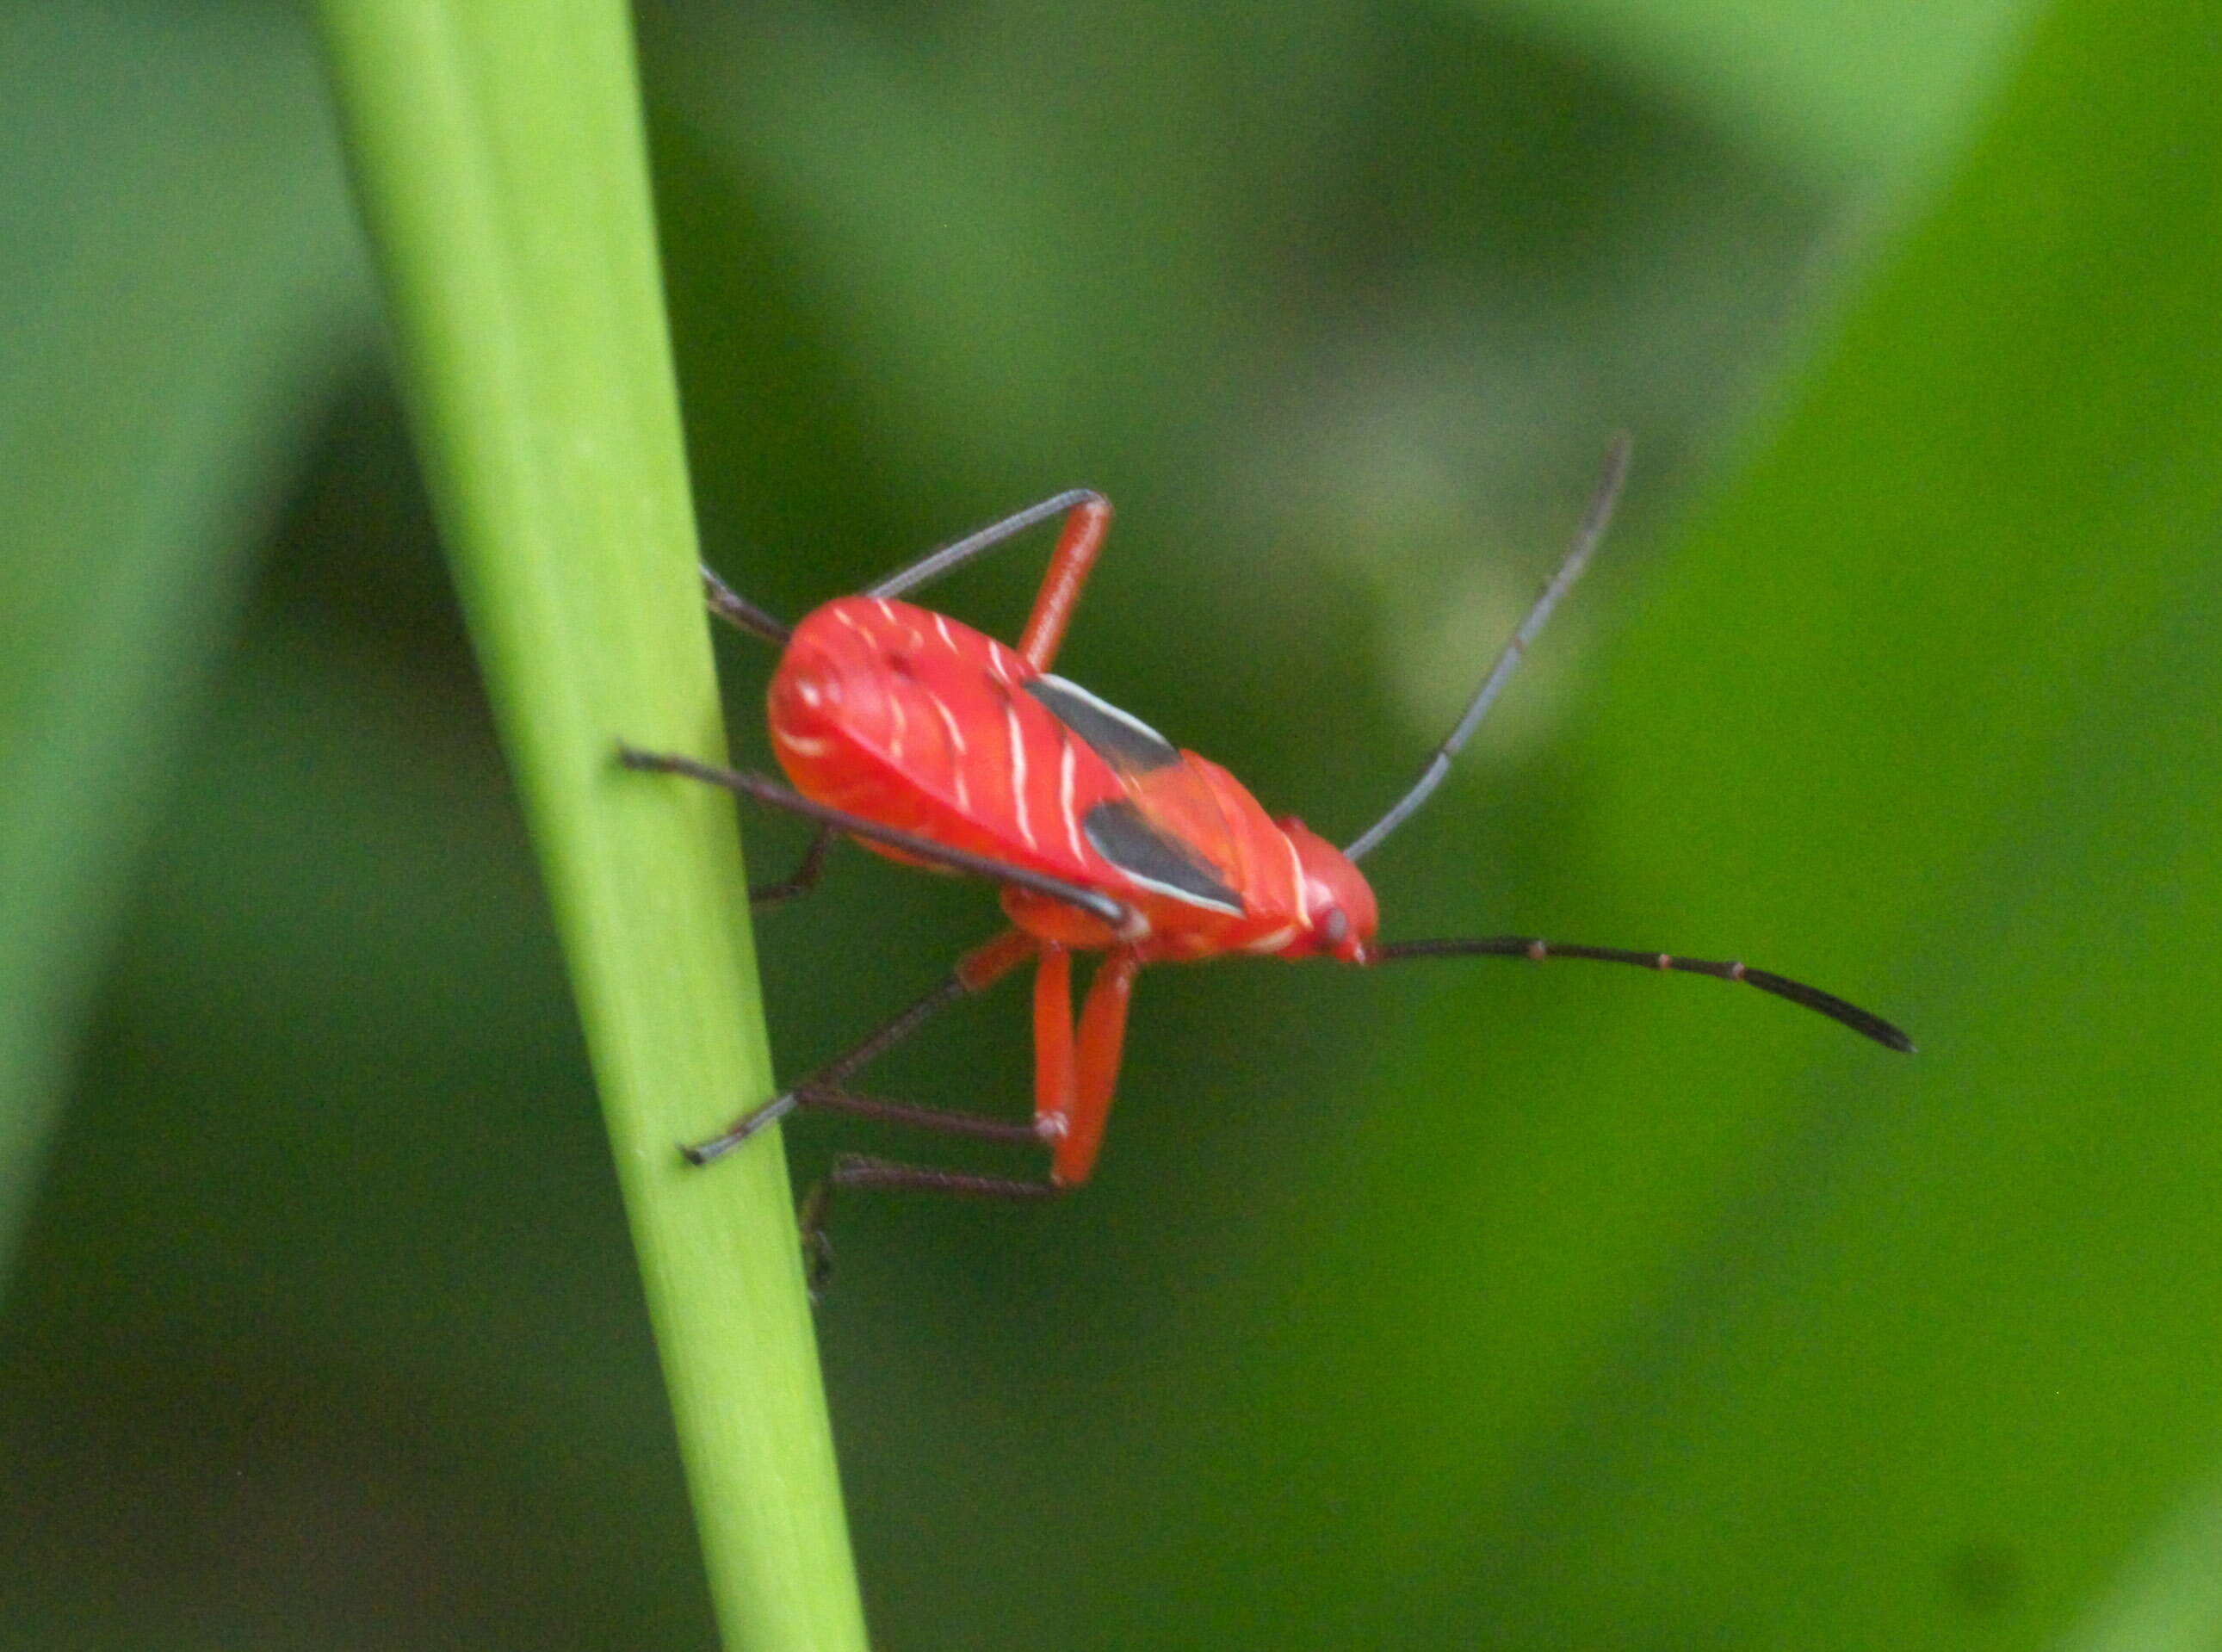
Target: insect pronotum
(932, 743)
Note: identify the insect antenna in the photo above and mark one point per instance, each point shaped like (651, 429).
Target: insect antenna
(1862, 1021)
(1594, 523)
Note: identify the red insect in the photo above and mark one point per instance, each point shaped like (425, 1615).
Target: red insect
(932, 743)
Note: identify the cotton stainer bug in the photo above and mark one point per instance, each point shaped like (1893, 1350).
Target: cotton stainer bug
(934, 744)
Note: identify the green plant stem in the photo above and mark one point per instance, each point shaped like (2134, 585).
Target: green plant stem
(498, 155)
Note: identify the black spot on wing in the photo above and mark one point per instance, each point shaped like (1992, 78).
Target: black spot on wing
(1154, 859)
(1127, 743)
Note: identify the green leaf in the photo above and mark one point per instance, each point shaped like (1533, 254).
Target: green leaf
(1888, 1353)
(1841, 92)
(170, 351)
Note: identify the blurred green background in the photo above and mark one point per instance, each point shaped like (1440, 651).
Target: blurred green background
(1477, 1306)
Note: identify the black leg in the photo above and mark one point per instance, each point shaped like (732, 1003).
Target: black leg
(935, 564)
(1123, 919)
(823, 1088)
(738, 612)
(1024, 1132)
(811, 1093)
(742, 614)
(855, 1170)
(802, 880)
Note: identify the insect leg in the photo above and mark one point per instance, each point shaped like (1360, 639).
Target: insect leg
(1068, 567)
(975, 971)
(932, 566)
(1056, 1080)
(1072, 1095)
(1103, 1036)
(856, 1170)
(803, 879)
(1054, 1083)
(809, 1094)
(1123, 919)
(742, 614)
(1074, 1080)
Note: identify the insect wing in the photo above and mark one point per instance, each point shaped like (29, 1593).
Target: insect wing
(1160, 834)
(1156, 858)
(1127, 743)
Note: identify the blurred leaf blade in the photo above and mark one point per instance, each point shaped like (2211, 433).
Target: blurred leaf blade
(499, 158)
(1848, 91)
(2170, 1594)
(173, 353)
(2004, 482)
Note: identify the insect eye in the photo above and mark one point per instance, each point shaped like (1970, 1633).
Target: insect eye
(1335, 929)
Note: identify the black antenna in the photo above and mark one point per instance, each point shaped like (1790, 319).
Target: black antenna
(1862, 1021)
(1594, 522)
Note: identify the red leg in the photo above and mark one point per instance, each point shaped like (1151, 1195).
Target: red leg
(1054, 1088)
(935, 564)
(1073, 1083)
(1077, 548)
(1054, 1085)
(1088, 516)
(1103, 1036)
(991, 961)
